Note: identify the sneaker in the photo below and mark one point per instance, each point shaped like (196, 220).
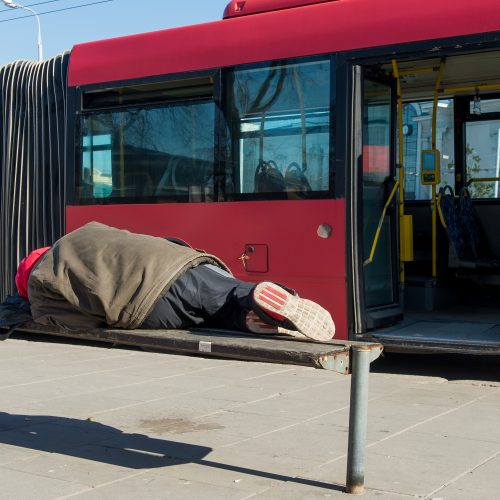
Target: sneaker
(257, 325)
(285, 310)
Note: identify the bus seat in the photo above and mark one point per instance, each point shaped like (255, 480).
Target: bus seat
(474, 233)
(468, 245)
(295, 178)
(268, 178)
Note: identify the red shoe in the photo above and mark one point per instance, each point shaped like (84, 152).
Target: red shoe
(278, 307)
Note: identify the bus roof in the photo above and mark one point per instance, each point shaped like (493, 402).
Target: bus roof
(310, 29)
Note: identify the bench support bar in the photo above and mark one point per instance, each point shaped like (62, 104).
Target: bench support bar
(358, 419)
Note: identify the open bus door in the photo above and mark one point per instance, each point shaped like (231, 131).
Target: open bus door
(376, 292)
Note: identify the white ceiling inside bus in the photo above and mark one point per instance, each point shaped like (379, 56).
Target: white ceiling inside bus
(468, 70)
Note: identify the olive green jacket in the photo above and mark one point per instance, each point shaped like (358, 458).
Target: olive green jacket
(101, 276)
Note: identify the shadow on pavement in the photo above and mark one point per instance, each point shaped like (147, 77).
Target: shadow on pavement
(94, 441)
(451, 367)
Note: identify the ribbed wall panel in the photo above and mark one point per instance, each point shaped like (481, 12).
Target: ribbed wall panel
(33, 115)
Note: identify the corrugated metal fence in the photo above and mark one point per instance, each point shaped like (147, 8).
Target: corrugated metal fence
(32, 160)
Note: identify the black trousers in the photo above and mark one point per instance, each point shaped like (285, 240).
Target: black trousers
(203, 295)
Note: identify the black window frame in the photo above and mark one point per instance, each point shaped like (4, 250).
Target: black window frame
(82, 112)
(228, 145)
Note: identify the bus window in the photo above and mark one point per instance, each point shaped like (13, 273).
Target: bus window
(279, 115)
(161, 152)
(482, 147)
(417, 135)
(482, 157)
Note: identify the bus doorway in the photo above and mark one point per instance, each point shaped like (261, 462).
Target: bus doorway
(450, 291)
(378, 302)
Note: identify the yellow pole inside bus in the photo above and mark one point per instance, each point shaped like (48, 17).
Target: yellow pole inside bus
(433, 197)
(395, 70)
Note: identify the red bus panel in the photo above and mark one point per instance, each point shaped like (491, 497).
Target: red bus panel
(283, 235)
(312, 29)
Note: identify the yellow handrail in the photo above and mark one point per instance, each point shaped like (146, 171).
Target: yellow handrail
(470, 88)
(483, 179)
(380, 224)
(440, 211)
(415, 71)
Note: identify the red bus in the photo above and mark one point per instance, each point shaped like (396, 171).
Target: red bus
(273, 139)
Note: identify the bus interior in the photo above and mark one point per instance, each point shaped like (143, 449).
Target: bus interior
(444, 293)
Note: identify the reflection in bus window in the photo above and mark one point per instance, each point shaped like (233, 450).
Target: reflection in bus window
(417, 135)
(155, 152)
(280, 126)
(96, 166)
(377, 126)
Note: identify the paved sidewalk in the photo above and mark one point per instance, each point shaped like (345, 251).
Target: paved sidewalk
(92, 422)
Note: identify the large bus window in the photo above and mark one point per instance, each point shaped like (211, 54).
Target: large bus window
(158, 153)
(279, 115)
(417, 134)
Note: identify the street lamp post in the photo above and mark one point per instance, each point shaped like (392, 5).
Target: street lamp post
(12, 5)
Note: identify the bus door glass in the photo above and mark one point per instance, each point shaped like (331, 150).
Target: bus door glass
(377, 246)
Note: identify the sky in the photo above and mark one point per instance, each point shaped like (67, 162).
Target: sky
(106, 19)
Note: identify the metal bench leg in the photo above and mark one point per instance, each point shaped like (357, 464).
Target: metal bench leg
(358, 415)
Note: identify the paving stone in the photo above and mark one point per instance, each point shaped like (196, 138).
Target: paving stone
(196, 432)
(149, 485)
(11, 453)
(249, 370)
(477, 422)
(459, 453)
(239, 479)
(389, 474)
(251, 425)
(479, 484)
(22, 485)
(304, 443)
(89, 465)
(82, 406)
(161, 389)
(239, 393)
(55, 387)
(288, 380)
(272, 463)
(308, 489)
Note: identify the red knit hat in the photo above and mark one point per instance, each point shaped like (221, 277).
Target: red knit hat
(24, 270)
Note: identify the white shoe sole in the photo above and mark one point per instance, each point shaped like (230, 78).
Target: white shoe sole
(304, 315)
